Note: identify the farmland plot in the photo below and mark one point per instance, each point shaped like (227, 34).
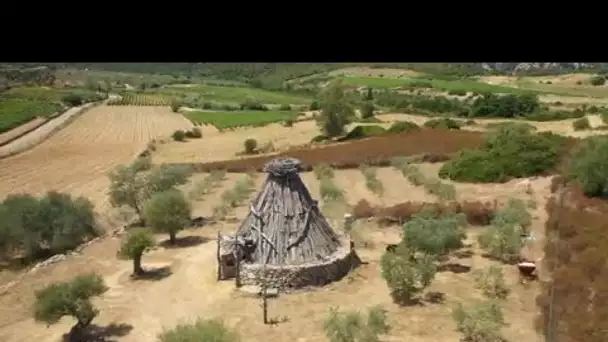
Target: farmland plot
(77, 158)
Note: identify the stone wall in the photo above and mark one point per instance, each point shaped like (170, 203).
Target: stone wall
(298, 276)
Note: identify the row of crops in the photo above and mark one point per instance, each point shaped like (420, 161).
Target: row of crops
(15, 112)
(138, 99)
(227, 120)
(20, 105)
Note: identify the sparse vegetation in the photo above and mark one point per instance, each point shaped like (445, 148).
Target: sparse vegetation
(407, 274)
(443, 123)
(481, 322)
(491, 281)
(206, 185)
(503, 239)
(200, 330)
(581, 124)
(371, 180)
(353, 327)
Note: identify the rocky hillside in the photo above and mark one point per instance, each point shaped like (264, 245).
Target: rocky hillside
(523, 68)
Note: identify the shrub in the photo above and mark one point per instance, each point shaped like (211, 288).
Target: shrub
(503, 243)
(508, 153)
(406, 274)
(433, 235)
(555, 115)
(581, 124)
(329, 191)
(70, 299)
(443, 123)
(72, 100)
(134, 246)
(201, 330)
(589, 166)
(520, 126)
(597, 81)
(176, 105)
(480, 323)
(508, 106)
(314, 105)
(352, 327)
(457, 92)
(195, 133)
(250, 145)
(402, 127)
(367, 110)
(444, 191)
(361, 132)
(285, 107)
(179, 135)
(251, 104)
(168, 212)
(323, 171)
(371, 180)
(491, 281)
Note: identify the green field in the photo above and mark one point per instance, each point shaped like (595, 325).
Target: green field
(235, 94)
(15, 112)
(442, 85)
(224, 120)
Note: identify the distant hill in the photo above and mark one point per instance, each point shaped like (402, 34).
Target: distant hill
(12, 75)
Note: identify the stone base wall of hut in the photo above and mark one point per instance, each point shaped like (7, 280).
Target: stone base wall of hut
(298, 276)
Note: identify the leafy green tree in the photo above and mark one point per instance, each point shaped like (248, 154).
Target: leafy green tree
(369, 95)
(132, 185)
(70, 299)
(134, 246)
(168, 212)
(436, 236)
(367, 110)
(589, 166)
(336, 111)
(201, 330)
(407, 274)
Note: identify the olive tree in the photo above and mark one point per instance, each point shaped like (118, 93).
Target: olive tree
(407, 274)
(134, 246)
(336, 111)
(132, 185)
(589, 166)
(168, 212)
(436, 236)
(70, 299)
(352, 326)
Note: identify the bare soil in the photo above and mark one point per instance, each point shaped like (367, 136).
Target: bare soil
(191, 290)
(20, 130)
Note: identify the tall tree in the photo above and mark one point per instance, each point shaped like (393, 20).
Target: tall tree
(168, 212)
(336, 111)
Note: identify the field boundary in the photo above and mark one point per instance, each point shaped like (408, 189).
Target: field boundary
(5, 150)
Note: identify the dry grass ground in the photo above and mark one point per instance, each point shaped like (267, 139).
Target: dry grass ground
(192, 291)
(77, 158)
(371, 72)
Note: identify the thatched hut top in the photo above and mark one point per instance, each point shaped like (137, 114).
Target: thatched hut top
(287, 220)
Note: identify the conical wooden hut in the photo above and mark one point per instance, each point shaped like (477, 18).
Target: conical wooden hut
(286, 234)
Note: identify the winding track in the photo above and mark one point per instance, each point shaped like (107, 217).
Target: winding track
(78, 158)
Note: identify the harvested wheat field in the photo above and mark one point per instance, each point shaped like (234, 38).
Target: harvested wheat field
(189, 288)
(77, 158)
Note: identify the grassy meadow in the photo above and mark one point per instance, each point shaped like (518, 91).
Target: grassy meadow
(227, 119)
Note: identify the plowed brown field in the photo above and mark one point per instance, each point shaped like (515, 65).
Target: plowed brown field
(373, 151)
(77, 158)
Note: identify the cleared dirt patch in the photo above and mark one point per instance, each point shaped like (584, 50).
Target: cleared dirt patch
(77, 158)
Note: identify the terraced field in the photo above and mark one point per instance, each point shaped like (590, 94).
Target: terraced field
(77, 158)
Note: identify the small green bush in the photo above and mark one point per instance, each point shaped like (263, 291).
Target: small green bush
(285, 107)
(442, 123)
(179, 135)
(589, 166)
(176, 105)
(352, 327)
(329, 191)
(199, 331)
(597, 81)
(361, 132)
(581, 124)
(407, 274)
(402, 127)
(432, 235)
(196, 133)
(481, 322)
(491, 281)
(250, 145)
(72, 100)
(323, 171)
(315, 105)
